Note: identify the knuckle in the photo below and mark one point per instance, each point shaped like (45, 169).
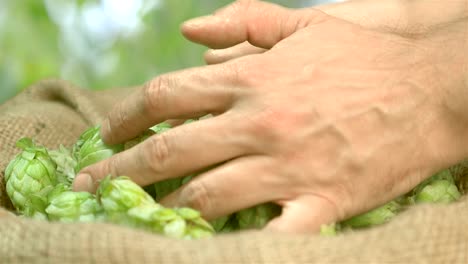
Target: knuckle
(246, 71)
(121, 118)
(157, 153)
(197, 196)
(155, 94)
(269, 124)
(111, 166)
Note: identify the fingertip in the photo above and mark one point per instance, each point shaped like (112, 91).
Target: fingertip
(211, 56)
(83, 182)
(193, 29)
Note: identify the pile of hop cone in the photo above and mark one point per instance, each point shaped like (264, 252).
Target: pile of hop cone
(38, 182)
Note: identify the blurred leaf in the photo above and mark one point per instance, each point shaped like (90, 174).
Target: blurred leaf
(97, 44)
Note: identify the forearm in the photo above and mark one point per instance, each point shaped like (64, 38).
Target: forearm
(402, 16)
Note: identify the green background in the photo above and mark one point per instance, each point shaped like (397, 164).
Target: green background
(98, 44)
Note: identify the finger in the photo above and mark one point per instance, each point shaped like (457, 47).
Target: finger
(215, 56)
(184, 94)
(260, 23)
(304, 215)
(177, 152)
(233, 186)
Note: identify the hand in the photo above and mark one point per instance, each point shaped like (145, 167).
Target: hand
(333, 120)
(395, 16)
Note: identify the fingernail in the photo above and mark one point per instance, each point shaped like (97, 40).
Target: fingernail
(198, 22)
(83, 183)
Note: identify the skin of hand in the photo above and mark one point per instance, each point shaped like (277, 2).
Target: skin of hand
(398, 16)
(332, 120)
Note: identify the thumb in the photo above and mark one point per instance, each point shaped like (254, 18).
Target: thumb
(304, 215)
(262, 24)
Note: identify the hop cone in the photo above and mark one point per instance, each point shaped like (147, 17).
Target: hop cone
(90, 148)
(438, 191)
(66, 164)
(172, 222)
(68, 206)
(441, 175)
(121, 194)
(29, 179)
(376, 216)
(125, 202)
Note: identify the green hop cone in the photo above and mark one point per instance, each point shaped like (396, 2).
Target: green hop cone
(171, 222)
(374, 217)
(441, 175)
(68, 206)
(90, 148)
(126, 203)
(29, 179)
(121, 194)
(438, 191)
(257, 216)
(66, 164)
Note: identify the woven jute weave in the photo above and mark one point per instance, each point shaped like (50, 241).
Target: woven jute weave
(54, 112)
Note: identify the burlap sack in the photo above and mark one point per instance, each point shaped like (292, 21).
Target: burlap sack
(55, 112)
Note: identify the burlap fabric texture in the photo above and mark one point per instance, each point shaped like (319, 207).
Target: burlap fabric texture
(55, 112)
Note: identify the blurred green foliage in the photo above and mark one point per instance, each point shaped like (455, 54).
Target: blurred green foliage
(97, 44)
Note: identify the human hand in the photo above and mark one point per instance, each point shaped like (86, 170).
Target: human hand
(396, 16)
(333, 120)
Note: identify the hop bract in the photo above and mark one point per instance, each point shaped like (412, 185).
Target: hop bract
(66, 164)
(29, 178)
